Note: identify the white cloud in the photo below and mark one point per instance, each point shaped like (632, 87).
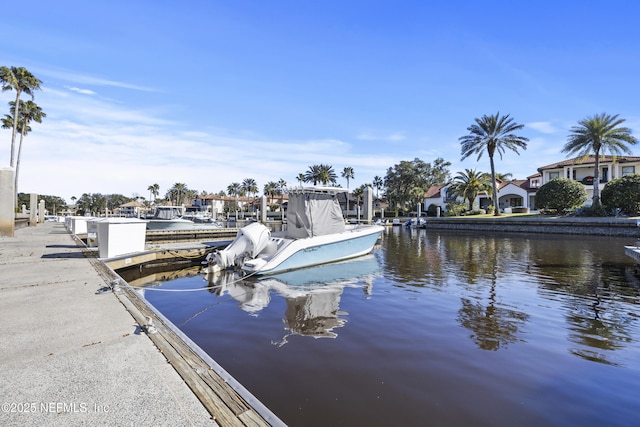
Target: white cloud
(88, 145)
(83, 79)
(81, 91)
(543, 127)
(375, 136)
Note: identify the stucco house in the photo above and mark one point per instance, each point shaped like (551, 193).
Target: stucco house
(521, 193)
(514, 193)
(582, 169)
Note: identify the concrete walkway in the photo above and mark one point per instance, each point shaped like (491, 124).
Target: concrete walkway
(70, 356)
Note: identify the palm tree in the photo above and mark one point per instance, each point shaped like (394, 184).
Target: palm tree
(504, 176)
(29, 111)
(378, 184)
(328, 175)
(347, 173)
(235, 190)
(154, 190)
(178, 190)
(271, 189)
(491, 134)
(22, 81)
(599, 134)
(250, 186)
(312, 174)
(469, 183)
(358, 193)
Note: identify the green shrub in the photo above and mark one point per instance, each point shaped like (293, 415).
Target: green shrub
(477, 212)
(456, 208)
(593, 211)
(622, 193)
(561, 195)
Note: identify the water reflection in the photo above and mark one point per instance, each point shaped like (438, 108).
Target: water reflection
(312, 295)
(514, 329)
(584, 276)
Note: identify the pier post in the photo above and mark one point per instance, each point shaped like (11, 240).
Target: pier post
(263, 209)
(368, 204)
(33, 209)
(41, 211)
(7, 202)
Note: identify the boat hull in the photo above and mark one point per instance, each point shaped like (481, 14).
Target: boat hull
(307, 252)
(169, 224)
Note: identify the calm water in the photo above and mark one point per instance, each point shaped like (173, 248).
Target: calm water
(439, 329)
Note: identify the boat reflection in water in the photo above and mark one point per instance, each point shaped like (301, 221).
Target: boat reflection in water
(312, 295)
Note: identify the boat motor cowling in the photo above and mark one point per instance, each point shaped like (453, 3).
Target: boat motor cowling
(249, 242)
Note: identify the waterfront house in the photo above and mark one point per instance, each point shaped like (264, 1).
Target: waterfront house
(521, 193)
(517, 193)
(132, 209)
(583, 168)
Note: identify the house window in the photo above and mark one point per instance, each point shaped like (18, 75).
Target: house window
(628, 170)
(515, 201)
(554, 175)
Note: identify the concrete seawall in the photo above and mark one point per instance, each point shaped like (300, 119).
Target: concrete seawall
(620, 227)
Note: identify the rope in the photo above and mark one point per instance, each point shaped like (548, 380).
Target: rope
(196, 289)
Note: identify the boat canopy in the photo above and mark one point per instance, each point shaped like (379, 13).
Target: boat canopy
(314, 211)
(167, 212)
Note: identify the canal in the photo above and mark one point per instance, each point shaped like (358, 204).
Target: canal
(432, 328)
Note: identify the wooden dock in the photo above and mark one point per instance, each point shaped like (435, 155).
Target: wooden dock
(201, 234)
(228, 402)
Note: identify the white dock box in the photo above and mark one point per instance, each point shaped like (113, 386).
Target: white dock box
(120, 236)
(92, 233)
(79, 224)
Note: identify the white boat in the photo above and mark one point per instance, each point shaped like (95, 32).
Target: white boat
(633, 252)
(168, 218)
(316, 234)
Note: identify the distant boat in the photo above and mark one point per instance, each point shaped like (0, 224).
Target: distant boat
(168, 218)
(316, 234)
(416, 223)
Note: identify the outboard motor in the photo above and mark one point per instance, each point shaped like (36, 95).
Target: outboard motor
(249, 242)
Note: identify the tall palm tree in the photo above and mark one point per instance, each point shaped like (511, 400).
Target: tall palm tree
(178, 190)
(313, 174)
(235, 190)
(250, 186)
(599, 134)
(469, 183)
(301, 178)
(378, 183)
(491, 134)
(154, 190)
(270, 189)
(347, 173)
(327, 175)
(29, 111)
(22, 81)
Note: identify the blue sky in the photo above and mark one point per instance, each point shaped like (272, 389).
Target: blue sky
(209, 92)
